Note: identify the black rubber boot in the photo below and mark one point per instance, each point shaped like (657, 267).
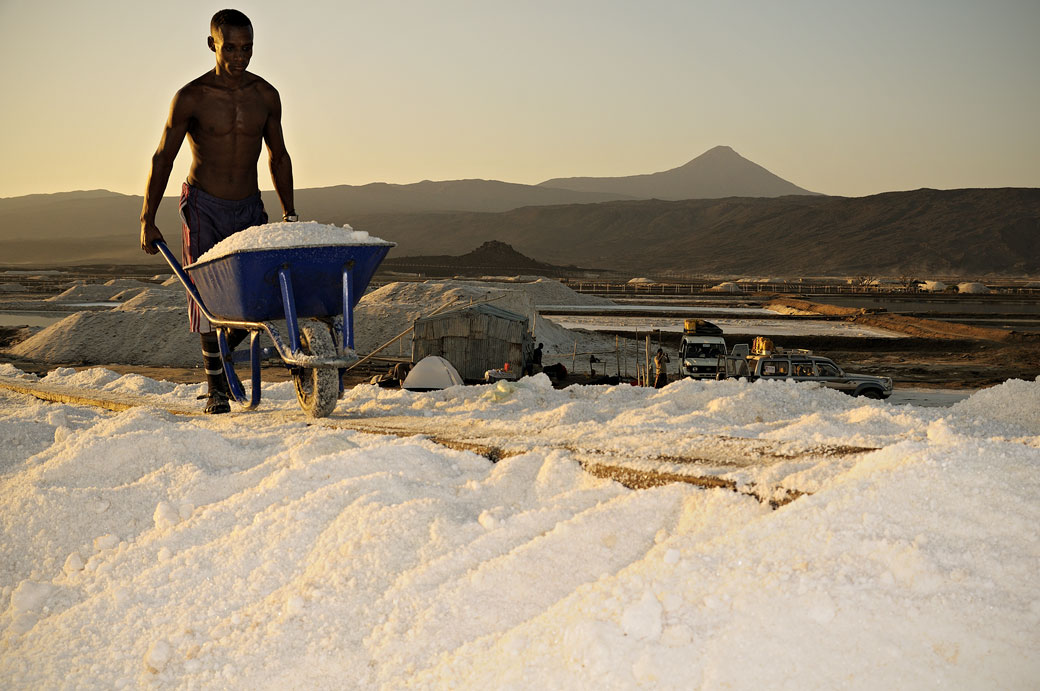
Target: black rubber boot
(219, 392)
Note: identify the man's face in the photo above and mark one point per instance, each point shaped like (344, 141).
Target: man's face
(234, 47)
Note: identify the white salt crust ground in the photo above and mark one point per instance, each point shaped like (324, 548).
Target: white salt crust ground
(260, 550)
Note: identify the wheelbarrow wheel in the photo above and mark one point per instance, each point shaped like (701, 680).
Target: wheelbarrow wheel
(317, 388)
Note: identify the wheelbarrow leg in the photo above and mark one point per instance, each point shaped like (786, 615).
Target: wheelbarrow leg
(347, 333)
(254, 363)
(289, 305)
(348, 306)
(234, 383)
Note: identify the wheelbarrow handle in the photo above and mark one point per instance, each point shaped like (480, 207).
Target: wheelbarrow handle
(178, 270)
(235, 383)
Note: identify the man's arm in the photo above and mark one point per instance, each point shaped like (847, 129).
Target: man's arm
(162, 164)
(281, 164)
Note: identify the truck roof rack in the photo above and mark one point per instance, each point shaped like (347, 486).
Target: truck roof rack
(702, 327)
(794, 351)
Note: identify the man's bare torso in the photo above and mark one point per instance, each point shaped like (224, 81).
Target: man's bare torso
(226, 133)
(227, 115)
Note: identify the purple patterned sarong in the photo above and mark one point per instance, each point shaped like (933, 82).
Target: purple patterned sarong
(206, 220)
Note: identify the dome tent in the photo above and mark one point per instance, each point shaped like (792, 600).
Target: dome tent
(432, 373)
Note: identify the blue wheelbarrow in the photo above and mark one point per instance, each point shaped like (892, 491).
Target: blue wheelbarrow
(314, 289)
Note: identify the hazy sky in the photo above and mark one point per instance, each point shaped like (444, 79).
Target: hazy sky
(847, 98)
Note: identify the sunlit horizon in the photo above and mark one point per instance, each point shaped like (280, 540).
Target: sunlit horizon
(846, 101)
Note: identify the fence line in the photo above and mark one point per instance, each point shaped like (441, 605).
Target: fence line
(799, 288)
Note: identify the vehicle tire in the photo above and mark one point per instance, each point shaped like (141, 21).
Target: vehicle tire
(871, 393)
(317, 388)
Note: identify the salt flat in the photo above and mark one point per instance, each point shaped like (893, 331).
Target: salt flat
(261, 550)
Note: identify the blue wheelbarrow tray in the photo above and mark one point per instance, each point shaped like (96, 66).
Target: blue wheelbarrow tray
(245, 285)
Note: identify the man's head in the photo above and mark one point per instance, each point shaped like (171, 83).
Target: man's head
(228, 18)
(231, 38)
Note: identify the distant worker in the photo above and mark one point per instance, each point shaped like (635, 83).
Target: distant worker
(556, 371)
(227, 115)
(661, 361)
(401, 370)
(393, 377)
(535, 365)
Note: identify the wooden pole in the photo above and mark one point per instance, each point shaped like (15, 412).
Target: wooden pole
(648, 359)
(617, 355)
(635, 348)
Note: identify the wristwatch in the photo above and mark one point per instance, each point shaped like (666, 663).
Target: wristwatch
(290, 218)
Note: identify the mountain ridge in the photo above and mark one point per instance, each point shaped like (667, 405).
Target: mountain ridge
(974, 231)
(717, 173)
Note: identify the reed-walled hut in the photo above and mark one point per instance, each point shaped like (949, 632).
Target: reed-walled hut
(475, 339)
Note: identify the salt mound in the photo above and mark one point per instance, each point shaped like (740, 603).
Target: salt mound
(1007, 404)
(124, 295)
(784, 309)
(282, 235)
(154, 297)
(157, 336)
(85, 293)
(972, 288)
(933, 286)
(11, 288)
(491, 278)
(546, 291)
(727, 287)
(543, 291)
(388, 311)
(124, 283)
(100, 293)
(639, 281)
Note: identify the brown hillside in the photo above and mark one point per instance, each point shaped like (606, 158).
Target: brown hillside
(490, 258)
(975, 232)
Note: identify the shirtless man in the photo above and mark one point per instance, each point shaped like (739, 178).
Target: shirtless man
(226, 114)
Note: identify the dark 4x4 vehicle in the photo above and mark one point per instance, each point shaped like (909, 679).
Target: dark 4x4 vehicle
(822, 370)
